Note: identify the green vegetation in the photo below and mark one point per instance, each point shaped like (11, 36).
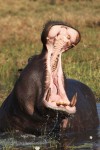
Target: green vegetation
(21, 24)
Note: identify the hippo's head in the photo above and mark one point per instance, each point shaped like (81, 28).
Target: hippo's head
(57, 38)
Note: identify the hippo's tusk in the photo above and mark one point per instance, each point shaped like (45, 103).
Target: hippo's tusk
(73, 45)
(48, 94)
(74, 100)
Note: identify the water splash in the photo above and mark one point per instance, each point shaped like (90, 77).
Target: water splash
(89, 141)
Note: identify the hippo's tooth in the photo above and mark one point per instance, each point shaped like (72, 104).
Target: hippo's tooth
(48, 94)
(61, 103)
(74, 100)
(62, 106)
(73, 45)
(54, 66)
(54, 104)
(64, 103)
(51, 100)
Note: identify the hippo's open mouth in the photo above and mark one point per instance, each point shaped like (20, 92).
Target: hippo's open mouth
(60, 38)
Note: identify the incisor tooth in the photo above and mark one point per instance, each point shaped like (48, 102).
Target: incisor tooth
(64, 39)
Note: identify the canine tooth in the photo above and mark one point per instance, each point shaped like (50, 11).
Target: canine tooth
(74, 100)
(48, 94)
(73, 45)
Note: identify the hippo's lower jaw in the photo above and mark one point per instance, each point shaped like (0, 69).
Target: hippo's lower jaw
(59, 103)
(62, 107)
(58, 41)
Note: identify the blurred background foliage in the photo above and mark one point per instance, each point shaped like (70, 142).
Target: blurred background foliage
(21, 24)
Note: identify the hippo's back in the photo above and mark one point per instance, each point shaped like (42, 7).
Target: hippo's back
(86, 116)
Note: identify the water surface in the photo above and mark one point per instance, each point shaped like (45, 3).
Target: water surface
(86, 141)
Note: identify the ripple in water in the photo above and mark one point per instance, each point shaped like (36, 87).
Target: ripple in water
(88, 141)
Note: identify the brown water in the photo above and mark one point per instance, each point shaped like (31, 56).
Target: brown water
(84, 141)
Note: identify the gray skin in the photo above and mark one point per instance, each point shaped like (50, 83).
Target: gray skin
(42, 98)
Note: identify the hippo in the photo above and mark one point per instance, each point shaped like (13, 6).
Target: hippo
(43, 100)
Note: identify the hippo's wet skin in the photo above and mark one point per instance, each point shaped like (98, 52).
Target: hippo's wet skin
(42, 98)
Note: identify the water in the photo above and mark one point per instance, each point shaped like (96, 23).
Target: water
(17, 141)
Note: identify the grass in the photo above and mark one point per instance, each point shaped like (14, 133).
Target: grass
(21, 24)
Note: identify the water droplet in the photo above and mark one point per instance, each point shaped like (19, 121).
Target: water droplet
(91, 137)
(36, 147)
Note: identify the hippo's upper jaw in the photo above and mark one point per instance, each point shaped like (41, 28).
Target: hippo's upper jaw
(60, 38)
